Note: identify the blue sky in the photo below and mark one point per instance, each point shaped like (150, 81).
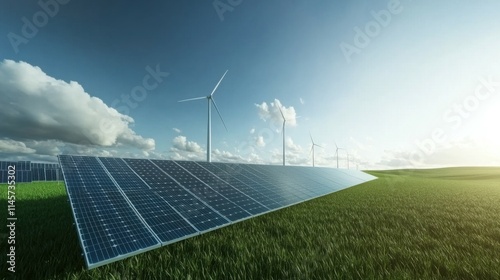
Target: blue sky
(416, 85)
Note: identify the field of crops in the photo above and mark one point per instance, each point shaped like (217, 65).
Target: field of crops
(408, 224)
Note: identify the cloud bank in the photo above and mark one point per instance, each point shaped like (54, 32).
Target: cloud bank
(38, 107)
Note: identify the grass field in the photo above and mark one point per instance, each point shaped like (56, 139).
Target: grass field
(408, 224)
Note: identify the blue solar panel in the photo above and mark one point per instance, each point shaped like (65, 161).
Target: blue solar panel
(27, 171)
(165, 221)
(108, 227)
(251, 177)
(236, 191)
(22, 171)
(208, 188)
(123, 207)
(201, 215)
(3, 176)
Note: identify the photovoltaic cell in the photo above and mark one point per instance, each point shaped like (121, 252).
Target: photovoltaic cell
(124, 207)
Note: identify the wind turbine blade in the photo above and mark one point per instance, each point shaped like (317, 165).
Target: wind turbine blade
(311, 137)
(218, 112)
(191, 99)
(215, 88)
(282, 114)
(317, 145)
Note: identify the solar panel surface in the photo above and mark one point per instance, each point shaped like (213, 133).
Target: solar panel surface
(123, 207)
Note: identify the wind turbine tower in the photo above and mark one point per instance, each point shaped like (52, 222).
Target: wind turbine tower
(347, 160)
(210, 99)
(337, 153)
(312, 146)
(284, 143)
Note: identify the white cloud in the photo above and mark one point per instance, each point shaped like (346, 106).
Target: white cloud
(252, 131)
(302, 101)
(271, 113)
(292, 147)
(182, 144)
(36, 106)
(177, 130)
(259, 142)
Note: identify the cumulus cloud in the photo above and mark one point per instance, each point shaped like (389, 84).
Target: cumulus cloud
(36, 106)
(182, 144)
(271, 113)
(184, 149)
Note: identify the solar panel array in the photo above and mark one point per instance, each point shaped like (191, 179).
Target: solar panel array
(27, 171)
(23, 171)
(123, 207)
(46, 172)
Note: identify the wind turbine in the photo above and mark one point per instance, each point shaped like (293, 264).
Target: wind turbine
(210, 99)
(337, 153)
(347, 159)
(312, 146)
(284, 144)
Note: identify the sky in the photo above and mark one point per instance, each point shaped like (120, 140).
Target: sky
(392, 84)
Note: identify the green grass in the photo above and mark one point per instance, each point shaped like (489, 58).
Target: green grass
(408, 224)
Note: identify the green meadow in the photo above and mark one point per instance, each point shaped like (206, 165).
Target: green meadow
(408, 224)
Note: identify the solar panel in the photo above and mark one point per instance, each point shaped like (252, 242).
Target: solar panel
(108, 227)
(123, 207)
(22, 168)
(45, 172)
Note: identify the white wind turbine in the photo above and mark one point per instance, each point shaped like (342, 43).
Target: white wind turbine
(284, 143)
(312, 146)
(337, 153)
(211, 101)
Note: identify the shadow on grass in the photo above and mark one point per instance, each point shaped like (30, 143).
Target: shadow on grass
(47, 245)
